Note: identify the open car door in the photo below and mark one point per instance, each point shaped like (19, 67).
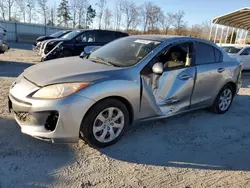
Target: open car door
(169, 91)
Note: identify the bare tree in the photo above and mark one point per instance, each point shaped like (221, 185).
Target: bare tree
(52, 15)
(154, 16)
(101, 7)
(2, 9)
(135, 17)
(9, 5)
(145, 13)
(178, 22)
(107, 18)
(22, 7)
(31, 7)
(128, 8)
(43, 8)
(73, 7)
(196, 31)
(82, 6)
(118, 14)
(166, 21)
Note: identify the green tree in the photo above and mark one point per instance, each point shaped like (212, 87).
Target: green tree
(63, 13)
(91, 14)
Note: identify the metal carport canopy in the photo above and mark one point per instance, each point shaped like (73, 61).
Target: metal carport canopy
(237, 19)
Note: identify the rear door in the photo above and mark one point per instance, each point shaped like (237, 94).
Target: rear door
(210, 74)
(104, 37)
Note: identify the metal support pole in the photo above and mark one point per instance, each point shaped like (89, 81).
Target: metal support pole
(227, 34)
(231, 40)
(216, 31)
(237, 33)
(245, 37)
(211, 30)
(222, 30)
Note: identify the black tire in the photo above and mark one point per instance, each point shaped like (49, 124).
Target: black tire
(86, 129)
(66, 53)
(215, 107)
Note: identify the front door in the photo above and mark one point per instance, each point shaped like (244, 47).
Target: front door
(172, 90)
(87, 38)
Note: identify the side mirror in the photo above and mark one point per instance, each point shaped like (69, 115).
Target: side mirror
(157, 68)
(88, 50)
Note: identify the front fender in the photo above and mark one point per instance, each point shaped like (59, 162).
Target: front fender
(127, 89)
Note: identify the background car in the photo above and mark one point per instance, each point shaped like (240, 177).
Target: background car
(3, 44)
(131, 79)
(241, 53)
(73, 43)
(40, 39)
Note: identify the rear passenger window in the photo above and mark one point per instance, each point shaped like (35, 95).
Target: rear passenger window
(218, 55)
(204, 54)
(105, 36)
(120, 35)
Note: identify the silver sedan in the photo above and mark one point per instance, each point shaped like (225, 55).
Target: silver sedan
(128, 80)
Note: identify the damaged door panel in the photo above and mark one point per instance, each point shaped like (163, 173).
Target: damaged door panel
(171, 91)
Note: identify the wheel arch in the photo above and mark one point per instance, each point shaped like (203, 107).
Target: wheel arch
(233, 85)
(121, 99)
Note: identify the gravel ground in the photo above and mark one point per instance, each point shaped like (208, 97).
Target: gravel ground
(198, 149)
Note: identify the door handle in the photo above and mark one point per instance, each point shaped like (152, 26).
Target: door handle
(185, 77)
(220, 70)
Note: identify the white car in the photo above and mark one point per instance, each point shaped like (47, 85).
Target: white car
(241, 53)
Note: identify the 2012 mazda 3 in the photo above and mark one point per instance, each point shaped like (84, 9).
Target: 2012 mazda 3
(130, 79)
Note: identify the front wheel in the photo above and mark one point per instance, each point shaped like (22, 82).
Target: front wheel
(66, 53)
(105, 123)
(223, 100)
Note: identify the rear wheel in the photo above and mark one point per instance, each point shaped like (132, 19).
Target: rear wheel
(105, 123)
(223, 100)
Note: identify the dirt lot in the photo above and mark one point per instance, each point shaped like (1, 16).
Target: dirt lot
(199, 149)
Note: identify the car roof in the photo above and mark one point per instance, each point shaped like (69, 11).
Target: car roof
(99, 30)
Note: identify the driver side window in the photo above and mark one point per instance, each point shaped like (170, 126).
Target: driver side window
(174, 57)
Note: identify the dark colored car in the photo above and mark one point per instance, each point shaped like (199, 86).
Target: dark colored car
(53, 36)
(73, 43)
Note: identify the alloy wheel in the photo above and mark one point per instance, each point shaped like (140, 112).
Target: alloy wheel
(225, 99)
(108, 124)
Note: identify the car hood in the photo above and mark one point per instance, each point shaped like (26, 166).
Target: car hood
(42, 38)
(72, 69)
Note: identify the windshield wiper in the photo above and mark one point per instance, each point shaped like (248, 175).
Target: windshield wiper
(102, 60)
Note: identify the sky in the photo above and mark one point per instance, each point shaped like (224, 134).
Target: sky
(196, 11)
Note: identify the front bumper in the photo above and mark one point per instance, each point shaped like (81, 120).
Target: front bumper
(57, 121)
(52, 54)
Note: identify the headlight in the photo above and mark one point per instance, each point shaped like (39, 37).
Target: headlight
(58, 91)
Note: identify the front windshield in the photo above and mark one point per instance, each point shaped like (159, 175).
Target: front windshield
(72, 34)
(124, 52)
(231, 49)
(58, 34)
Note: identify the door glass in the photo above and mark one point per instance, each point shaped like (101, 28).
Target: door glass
(204, 53)
(105, 36)
(86, 37)
(246, 52)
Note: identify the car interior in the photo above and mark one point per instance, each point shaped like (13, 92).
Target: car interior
(175, 57)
